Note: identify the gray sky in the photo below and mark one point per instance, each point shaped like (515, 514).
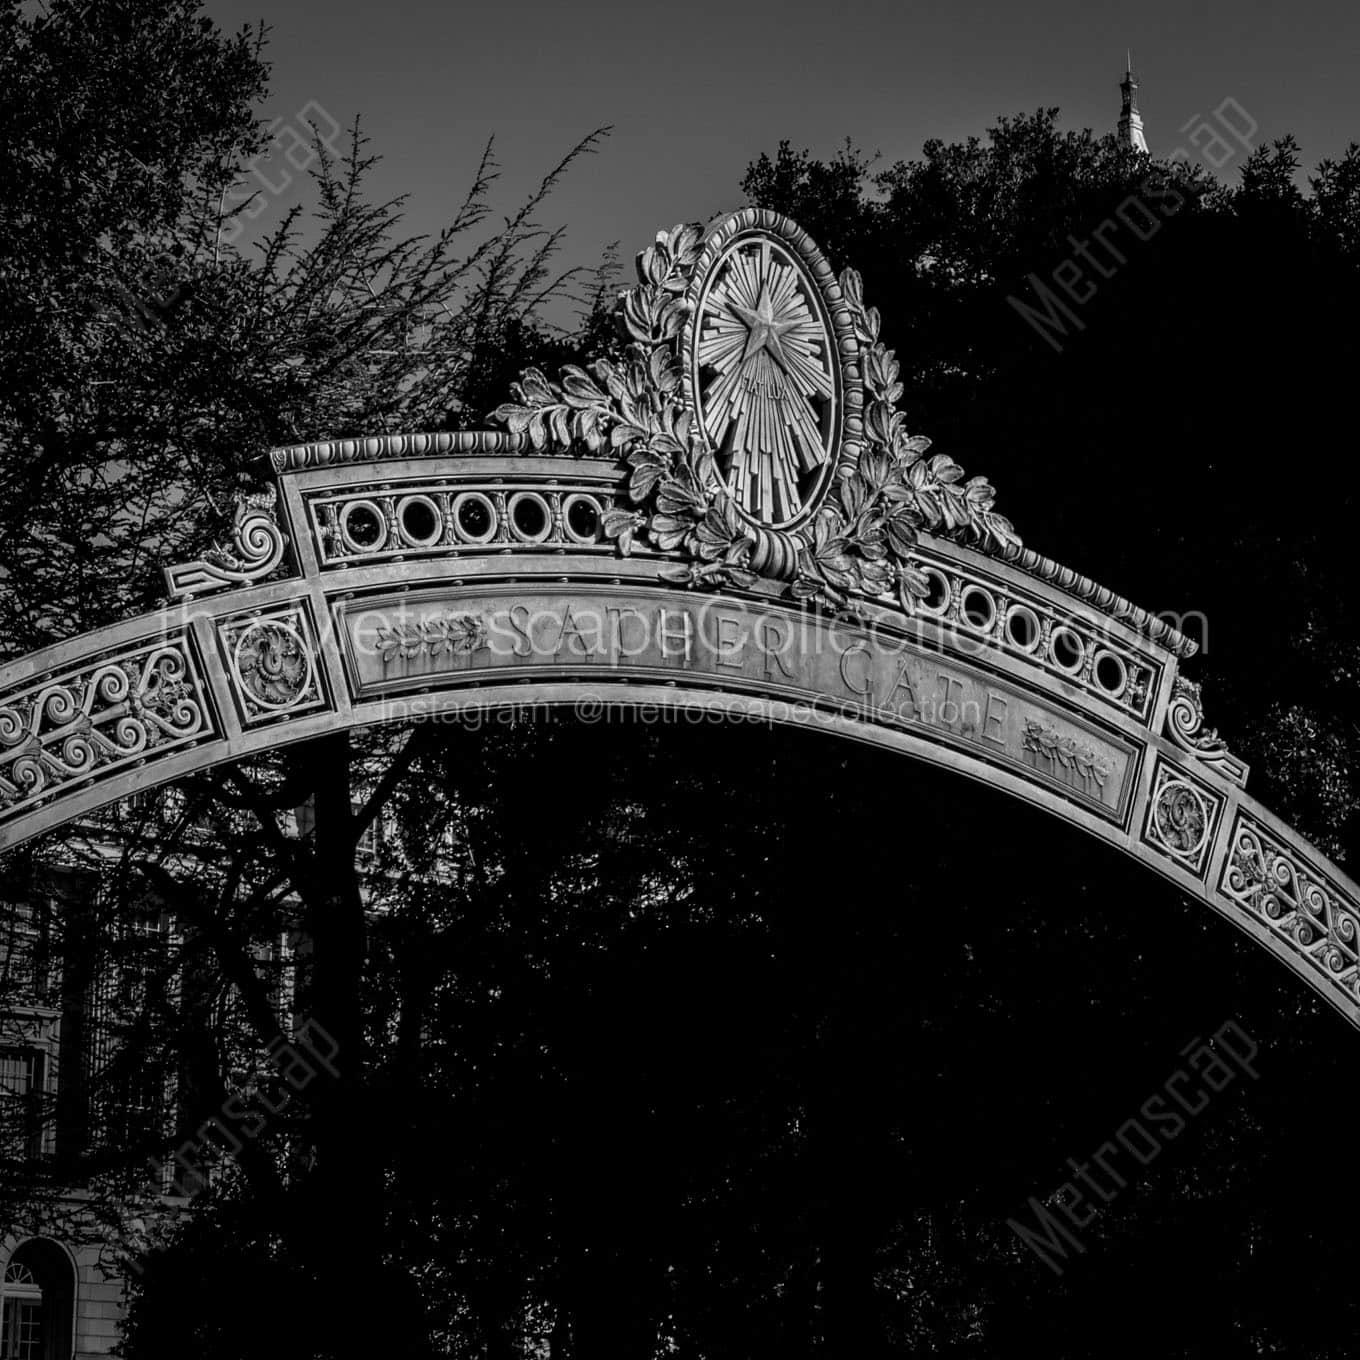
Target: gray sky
(696, 90)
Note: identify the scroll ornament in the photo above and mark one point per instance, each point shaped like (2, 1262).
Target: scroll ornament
(1185, 726)
(861, 539)
(257, 547)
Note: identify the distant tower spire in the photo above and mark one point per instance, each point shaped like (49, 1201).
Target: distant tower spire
(1130, 120)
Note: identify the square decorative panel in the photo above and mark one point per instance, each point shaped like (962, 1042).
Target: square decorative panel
(1182, 818)
(273, 664)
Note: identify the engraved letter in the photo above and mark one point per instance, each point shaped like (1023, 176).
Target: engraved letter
(856, 649)
(902, 682)
(571, 630)
(522, 629)
(728, 642)
(943, 718)
(999, 736)
(617, 614)
(684, 635)
(769, 630)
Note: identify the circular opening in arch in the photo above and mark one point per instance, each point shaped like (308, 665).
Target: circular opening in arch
(937, 592)
(362, 526)
(475, 517)
(1067, 650)
(1022, 627)
(977, 608)
(1111, 673)
(581, 515)
(530, 518)
(420, 520)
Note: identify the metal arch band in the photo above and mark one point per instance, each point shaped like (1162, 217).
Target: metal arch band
(512, 626)
(413, 576)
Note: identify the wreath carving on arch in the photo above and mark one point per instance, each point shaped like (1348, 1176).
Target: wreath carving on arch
(706, 323)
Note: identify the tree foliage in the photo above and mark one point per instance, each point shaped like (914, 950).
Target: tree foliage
(150, 362)
(641, 1042)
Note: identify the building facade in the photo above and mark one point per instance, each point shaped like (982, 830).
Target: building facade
(84, 1078)
(58, 1297)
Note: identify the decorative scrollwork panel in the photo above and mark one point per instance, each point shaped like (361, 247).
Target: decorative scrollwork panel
(92, 722)
(1277, 886)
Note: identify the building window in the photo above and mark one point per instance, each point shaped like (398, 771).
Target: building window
(22, 1085)
(370, 838)
(22, 1338)
(28, 975)
(127, 1077)
(37, 1304)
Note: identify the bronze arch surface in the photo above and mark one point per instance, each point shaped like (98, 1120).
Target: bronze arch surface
(556, 624)
(409, 577)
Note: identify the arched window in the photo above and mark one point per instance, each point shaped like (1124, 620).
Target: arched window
(37, 1304)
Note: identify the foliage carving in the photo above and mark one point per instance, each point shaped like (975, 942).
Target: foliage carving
(433, 636)
(1064, 752)
(861, 540)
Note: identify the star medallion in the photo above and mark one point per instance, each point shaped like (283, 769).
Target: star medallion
(766, 387)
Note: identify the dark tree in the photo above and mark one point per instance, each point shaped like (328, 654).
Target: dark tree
(703, 1042)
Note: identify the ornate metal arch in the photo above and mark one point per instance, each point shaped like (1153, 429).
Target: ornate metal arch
(593, 553)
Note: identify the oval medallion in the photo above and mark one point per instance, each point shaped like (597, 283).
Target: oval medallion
(766, 380)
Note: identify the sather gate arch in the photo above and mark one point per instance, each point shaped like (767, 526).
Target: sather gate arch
(732, 520)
